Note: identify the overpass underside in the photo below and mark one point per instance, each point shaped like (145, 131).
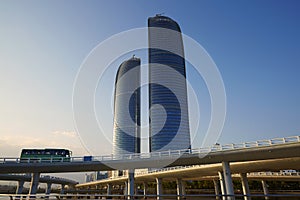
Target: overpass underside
(221, 174)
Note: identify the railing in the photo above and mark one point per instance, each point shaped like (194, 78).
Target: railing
(46, 177)
(293, 173)
(162, 154)
(286, 195)
(274, 174)
(57, 178)
(168, 169)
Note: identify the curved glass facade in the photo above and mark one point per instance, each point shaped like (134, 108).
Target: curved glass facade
(126, 136)
(168, 129)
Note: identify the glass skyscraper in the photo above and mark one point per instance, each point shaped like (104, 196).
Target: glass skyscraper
(169, 126)
(126, 136)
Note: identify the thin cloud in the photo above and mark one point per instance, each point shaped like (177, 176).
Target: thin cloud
(65, 133)
(19, 140)
(11, 145)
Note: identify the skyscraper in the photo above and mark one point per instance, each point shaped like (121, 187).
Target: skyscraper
(169, 127)
(126, 136)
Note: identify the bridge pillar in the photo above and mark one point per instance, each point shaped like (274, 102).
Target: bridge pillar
(20, 187)
(48, 189)
(62, 191)
(145, 189)
(34, 183)
(159, 188)
(180, 189)
(217, 188)
(245, 186)
(130, 183)
(265, 188)
(228, 180)
(125, 188)
(109, 189)
(222, 184)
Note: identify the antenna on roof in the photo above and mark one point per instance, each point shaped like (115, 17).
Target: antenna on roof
(159, 14)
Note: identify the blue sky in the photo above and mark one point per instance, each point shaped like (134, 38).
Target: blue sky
(255, 44)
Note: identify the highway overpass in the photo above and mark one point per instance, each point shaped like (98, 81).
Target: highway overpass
(201, 172)
(22, 178)
(263, 155)
(43, 179)
(210, 172)
(243, 171)
(279, 148)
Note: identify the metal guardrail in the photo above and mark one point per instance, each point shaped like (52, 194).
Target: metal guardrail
(56, 178)
(162, 154)
(287, 195)
(264, 174)
(274, 174)
(283, 173)
(166, 169)
(46, 178)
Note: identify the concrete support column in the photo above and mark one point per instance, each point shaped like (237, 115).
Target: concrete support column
(48, 189)
(217, 189)
(228, 180)
(109, 189)
(145, 189)
(62, 191)
(222, 184)
(245, 186)
(131, 184)
(125, 188)
(179, 189)
(159, 188)
(183, 188)
(265, 188)
(34, 183)
(20, 187)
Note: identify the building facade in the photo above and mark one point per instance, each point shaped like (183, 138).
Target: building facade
(169, 121)
(126, 133)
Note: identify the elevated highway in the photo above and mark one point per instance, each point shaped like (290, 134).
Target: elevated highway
(222, 160)
(43, 179)
(242, 171)
(210, 172)
(22, 178)
(279, 148)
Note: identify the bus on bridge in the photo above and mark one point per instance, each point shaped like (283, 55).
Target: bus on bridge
(45, 155)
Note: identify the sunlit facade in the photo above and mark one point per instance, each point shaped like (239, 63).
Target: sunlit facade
(126, 135)
(166, 90)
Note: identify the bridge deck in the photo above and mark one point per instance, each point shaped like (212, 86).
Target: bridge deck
(282, 148)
